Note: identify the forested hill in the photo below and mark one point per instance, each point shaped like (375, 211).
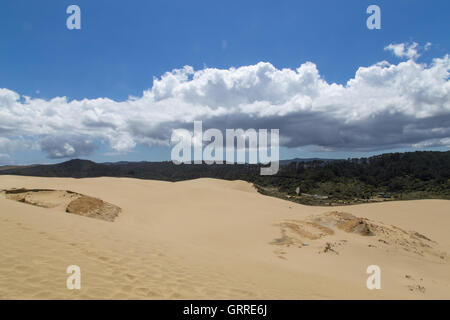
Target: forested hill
(412, 175)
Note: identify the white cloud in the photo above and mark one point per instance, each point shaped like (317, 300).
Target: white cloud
(67, 146)
(406, 50)
(383, 106)
(16, 144)
(433, 143)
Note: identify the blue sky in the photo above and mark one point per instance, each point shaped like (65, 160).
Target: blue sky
(123, 46)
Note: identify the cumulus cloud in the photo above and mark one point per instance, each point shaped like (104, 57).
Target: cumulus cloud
(383, 106)
(16, 144)
(433, 143)
(58, 147)
(406, 50)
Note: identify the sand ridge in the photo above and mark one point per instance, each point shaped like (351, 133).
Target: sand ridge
(214, 239)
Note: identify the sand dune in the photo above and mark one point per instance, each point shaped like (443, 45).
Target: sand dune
(212, 239)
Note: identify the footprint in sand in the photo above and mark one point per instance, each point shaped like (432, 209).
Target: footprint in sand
(416, 288)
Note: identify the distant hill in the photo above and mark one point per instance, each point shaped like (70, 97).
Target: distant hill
(12, 167)
(143, 170)
(297, 160)
(412, 175)
(165, 170)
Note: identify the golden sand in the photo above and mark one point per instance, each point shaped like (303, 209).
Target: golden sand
(213, 239)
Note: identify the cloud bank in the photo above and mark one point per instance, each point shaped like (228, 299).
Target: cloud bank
(383, 106)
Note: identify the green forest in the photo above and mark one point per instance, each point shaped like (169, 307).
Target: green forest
(395, 176)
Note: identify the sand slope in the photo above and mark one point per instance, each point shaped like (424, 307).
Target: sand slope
(213, 239)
